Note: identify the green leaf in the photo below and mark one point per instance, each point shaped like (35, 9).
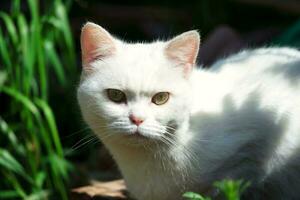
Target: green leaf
(3, 77)
(62, 166)
(8, 162)
(61, 14)
(4, 52)
(40, 179)
(22, 99)
(14, 182)
(52, 125)
(30, 47)
(11, 29)
(15, 8)
(33, 6)
(37, 45)
(27, 58)
(23, 31)
(195, 196)
(232, 189)
(9, 194)
(44, 194)
(4, 127)
(55, 62)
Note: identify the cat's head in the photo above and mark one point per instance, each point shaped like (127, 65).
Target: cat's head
(135, 91)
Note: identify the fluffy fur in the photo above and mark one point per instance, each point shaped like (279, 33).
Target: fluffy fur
(238, 119)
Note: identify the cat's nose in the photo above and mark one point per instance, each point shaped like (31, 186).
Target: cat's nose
(136, 120)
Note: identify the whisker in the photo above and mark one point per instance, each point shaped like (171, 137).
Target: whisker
(84, 138)
(85, 143)
(76, 132)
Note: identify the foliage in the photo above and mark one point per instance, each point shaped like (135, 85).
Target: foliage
(230, 189)
(195, 196)
(289, 37)
(35, 49)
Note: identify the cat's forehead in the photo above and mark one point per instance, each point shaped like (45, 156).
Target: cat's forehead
(139, 67)
(137, 53)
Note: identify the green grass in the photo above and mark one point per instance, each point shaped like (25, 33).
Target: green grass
(230, 189)
(36, 48)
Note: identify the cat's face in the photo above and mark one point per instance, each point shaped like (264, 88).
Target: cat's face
(136, 91)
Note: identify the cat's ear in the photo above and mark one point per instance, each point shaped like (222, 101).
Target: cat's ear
(96, 43)
(183, 50)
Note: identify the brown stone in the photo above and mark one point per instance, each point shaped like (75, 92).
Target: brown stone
(112, 190)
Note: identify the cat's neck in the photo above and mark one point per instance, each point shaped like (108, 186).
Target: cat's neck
(158, 165)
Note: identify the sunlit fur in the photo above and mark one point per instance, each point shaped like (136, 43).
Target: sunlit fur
(238, 119)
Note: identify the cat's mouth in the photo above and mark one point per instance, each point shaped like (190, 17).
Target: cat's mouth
(137, 134)
(137, 138)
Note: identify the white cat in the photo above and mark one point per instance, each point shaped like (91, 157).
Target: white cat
(174, 128)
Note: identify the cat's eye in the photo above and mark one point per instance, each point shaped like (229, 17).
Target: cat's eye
(116, 96)
(160, 98)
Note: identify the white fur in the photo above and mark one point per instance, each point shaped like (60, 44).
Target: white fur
(249, 99)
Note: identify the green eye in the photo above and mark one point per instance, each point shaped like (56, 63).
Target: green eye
(160, 98)
(116, 96)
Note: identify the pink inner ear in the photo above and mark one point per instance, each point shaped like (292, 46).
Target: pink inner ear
(96, 43)
(183, 50)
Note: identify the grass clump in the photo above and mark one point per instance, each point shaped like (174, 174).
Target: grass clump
(36, 48)
(230, 189)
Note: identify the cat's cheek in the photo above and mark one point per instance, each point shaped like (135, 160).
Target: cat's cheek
(113, 110)
(164, 115)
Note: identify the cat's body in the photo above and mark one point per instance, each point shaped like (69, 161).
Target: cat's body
(238, 119)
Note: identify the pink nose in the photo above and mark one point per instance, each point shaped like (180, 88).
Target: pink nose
(137, 121)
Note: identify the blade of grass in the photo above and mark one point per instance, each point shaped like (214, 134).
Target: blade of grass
(10, 26)
(9, 194)
(55, 62)
(4, 127)
(52, 125)
(11, 178)
(22, 99)
(7, 161)
(40, 179)
(4, 53)
(25, 101)
(38, 45)
(15, 8)
(43, 194)
(62, 15)
(62, 165)
(27, 61)
(3, 77)
(54, 162)
(26, 64)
